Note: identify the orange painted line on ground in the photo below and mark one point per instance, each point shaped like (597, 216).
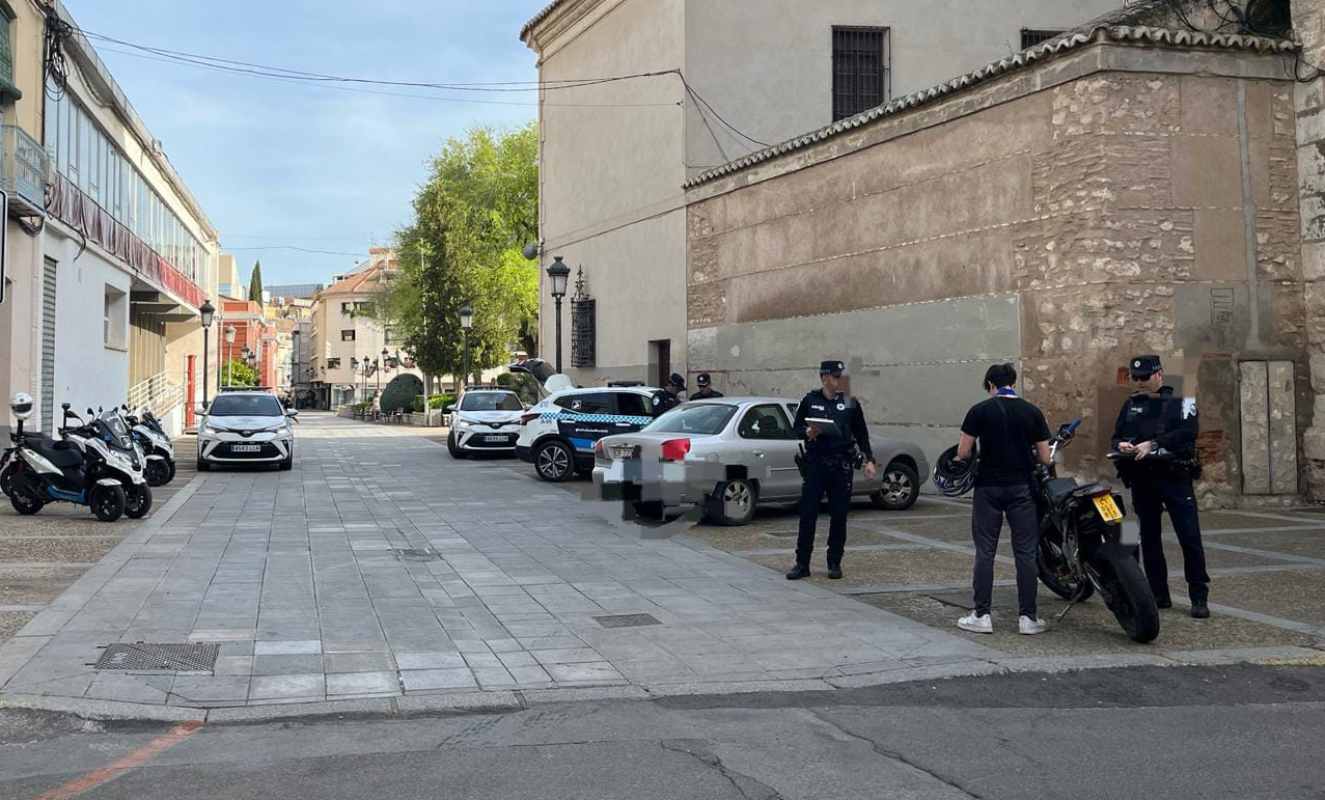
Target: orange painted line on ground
(133, 760)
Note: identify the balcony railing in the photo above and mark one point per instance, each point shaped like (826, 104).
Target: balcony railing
(75, 208)
(23, 168)
(158, 393)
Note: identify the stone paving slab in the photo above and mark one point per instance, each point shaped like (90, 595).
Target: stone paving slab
(347, 579)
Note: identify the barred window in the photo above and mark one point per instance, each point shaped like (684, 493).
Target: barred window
(860, 69)
(1033, 36)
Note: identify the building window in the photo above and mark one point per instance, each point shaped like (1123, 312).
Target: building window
(1033, 36)
(860, 70)
(116, 318)
(8, 91)
(346, 308)
(333, 363)
(347, 336)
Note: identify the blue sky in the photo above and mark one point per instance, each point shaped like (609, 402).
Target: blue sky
(277, 163)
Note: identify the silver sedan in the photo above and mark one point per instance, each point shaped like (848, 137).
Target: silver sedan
(731, 454)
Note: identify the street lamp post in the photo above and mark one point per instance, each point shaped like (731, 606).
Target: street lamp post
(229, 350)
(559, 273)
(466, 323)
(207, 311)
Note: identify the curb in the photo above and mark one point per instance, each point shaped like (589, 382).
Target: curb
(507, 701)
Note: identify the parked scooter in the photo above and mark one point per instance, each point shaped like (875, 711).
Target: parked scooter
(79, 470)
(111, 429)
(147, 432)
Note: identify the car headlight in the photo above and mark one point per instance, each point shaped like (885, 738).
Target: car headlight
(208, 427)
(463, 425)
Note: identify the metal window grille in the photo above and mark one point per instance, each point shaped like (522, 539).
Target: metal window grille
(1033, 36)
(861, 69)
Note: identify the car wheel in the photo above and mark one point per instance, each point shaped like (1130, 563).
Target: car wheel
(453, 448)
(203, 466)
(288, 463)
(554, 461)
(733, 502)
(901, 487)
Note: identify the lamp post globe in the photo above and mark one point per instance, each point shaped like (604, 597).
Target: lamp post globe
(559, 274)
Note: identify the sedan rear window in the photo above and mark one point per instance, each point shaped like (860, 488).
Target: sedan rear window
(705, 420)
(490, 401)
(245, 405)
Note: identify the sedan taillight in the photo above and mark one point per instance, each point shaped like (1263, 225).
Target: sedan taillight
(599, 451)
(675, 449)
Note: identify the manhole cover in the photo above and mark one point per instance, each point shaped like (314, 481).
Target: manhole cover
(626, 621)
(415, 554)
(169, 657)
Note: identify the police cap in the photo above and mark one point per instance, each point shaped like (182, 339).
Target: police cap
(835, 368)
(677, 380)
(1144, 366)
(703, 379)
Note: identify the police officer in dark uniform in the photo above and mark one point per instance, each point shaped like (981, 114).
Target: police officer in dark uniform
(1155, 437)
(706, 392)
(830, 455)
(670, 396)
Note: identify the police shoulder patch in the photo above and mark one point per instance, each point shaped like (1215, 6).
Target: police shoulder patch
(1188, 407)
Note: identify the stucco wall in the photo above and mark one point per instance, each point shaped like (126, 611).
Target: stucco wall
(1066, 216)
(767, 65)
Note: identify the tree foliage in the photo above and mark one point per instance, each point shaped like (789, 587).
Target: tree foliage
(399, 394)
(472, 219)
(255, 283)
(236, 372)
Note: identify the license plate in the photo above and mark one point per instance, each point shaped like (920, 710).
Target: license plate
(491, 438)
(245, 448)
(623, 451)
(1107, 508)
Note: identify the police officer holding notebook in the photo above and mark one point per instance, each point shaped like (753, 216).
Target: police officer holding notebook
(1155, 444)
(833, 427)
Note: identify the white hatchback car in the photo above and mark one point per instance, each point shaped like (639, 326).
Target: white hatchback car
(245, 427)
(484, 421)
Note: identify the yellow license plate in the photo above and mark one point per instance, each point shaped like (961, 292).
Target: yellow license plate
(1107, 508)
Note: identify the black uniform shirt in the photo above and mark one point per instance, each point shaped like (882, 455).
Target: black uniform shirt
(705, 394)
(1169, 421)
(848, 416)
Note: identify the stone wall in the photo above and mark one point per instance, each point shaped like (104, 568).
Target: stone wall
(1115, 199)
(1309, 100)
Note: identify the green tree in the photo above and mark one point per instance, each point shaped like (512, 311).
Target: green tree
(237, 373)
(255, 283)
(472, 219)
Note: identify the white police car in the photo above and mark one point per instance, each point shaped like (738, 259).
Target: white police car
(559, 433)
(484, 421)
(245, 427)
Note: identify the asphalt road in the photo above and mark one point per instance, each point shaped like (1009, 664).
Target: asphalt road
(1236, 732)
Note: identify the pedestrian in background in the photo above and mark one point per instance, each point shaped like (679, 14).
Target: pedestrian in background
(1013, 436)
(1153, 420)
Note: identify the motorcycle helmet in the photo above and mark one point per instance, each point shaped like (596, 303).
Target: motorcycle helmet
(952, 477)
(21, 405)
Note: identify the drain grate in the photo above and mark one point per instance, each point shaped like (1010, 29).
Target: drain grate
(626, 621)
(168, 657)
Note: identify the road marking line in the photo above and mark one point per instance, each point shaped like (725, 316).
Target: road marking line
(131, 761)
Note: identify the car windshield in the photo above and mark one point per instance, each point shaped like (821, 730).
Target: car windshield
(490, 401)
(245, 405)
(706, 419)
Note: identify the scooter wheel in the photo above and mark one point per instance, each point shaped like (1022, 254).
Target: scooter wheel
(157, 473)
(24, 501)
(108, 503)
(137, 501)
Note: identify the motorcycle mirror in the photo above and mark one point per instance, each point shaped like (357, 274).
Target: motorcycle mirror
(65, 406)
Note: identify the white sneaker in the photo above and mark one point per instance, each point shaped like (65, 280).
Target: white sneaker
(1030, 627)
(976, 623)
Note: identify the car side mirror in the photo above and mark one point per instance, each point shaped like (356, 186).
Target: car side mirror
(450, 409)
(200, 408)
(292, 412)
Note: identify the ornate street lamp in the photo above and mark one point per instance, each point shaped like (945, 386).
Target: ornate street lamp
(560, 274)
(206, 312)
(229, 352)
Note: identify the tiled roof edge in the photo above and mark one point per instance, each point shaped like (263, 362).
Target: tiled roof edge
(1042, 52)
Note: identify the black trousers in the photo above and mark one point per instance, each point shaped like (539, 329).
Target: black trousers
(1151, 495)
(992, 504)
(833, 476)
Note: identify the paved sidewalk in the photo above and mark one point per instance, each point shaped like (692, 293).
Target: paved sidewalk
(381, 567)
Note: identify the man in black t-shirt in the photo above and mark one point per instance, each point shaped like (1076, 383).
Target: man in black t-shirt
(1013, 435)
